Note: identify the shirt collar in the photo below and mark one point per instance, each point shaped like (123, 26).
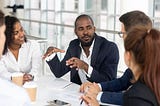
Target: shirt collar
(91, 47)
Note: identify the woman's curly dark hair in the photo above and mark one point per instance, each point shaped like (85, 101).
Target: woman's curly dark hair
(10, 21)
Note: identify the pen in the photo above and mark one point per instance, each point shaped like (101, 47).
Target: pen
(67, 85)
(81, 102)
(85, 91)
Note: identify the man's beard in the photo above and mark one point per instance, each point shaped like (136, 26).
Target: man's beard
(86, 44)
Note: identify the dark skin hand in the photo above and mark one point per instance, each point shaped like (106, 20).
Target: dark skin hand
(72, 62)
(27, 78)
(52, 50)
(77, 63)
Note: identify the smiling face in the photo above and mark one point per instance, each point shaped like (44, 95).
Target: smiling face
(18, 34)
(85, 30)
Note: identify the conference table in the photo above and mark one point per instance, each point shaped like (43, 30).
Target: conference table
(50, 88)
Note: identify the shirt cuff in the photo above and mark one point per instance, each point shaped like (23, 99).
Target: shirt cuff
(50, 57)
(100, 86)
(99, 96)
(90, 69)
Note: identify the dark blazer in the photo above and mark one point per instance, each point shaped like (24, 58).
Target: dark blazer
(104, 60)
(139, 95)
(112, 90)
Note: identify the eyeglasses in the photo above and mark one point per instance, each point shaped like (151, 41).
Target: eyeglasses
(121, 34)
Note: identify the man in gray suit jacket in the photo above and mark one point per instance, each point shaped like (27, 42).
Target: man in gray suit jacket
(89, 57)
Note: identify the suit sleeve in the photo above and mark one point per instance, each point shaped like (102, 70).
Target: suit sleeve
(112, 98)
(58, 67)
(118, 84)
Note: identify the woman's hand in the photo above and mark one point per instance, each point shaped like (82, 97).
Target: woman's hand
(84, 86)
(90, 100)
(27, 78)
(93, 90)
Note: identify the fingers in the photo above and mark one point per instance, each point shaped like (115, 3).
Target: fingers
(90, 101)
(27, 77)
(52, 50)
(86, 99)
(73, 62)
(77, 63)
(93, 89)
(48, 52)
(84, 86)
(59, 50)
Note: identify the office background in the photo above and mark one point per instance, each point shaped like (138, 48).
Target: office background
(51, 22)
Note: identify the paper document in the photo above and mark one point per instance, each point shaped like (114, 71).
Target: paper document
(73, 96)
(60, 84)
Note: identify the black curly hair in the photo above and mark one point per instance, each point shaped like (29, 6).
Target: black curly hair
(10, 21)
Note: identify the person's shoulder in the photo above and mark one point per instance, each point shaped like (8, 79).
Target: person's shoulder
(31, 43)
(141, 91)
(74, 42)
(104, 40)
(138, 89)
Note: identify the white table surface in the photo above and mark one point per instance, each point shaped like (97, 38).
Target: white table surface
(50, 88)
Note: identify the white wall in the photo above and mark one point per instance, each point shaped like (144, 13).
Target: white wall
(129, 5)
(2, 5)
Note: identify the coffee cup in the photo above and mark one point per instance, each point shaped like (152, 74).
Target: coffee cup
(17, 78)
(31, 89)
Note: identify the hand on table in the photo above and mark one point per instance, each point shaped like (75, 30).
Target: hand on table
(27, 77)
(93, 90)
(84, 86)
(90, 100)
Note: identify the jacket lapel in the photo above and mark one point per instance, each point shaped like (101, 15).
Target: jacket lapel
(77, 51)
(95, 51)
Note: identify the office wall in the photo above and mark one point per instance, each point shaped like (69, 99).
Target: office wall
(1, 4)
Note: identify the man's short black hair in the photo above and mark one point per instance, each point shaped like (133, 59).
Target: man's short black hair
(81, 16)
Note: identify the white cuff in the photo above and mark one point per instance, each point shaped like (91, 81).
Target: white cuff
(50, 57)
(90, 69)
(100, 86)
(99, 96)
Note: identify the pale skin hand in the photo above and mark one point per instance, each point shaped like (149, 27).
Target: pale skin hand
(90, 100)
(52, 50)
(93, 90)
(77, 63)
(84, 86)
